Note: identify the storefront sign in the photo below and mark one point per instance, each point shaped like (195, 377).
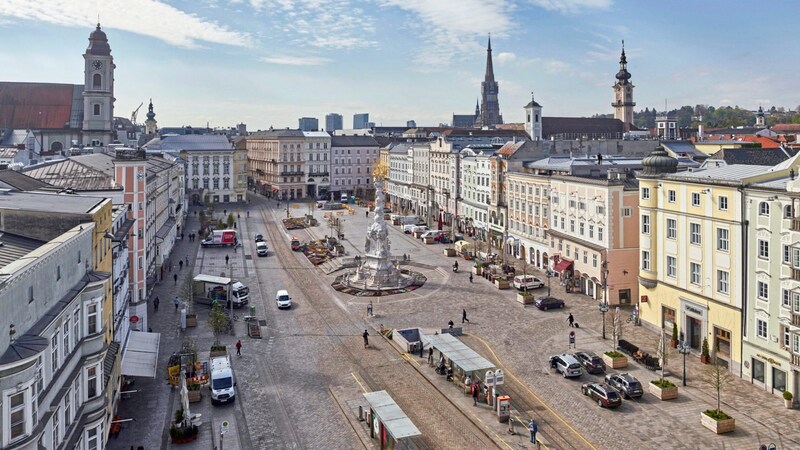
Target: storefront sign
(693, 310)
(489, 378)
(643, 299)
(768, 359)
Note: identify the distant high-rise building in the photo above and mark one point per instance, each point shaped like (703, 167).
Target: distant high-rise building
(370, 125)
(360, 121)
(333, 122)
(411, 124)
(308, 124)
(623, 93)
(490, 105)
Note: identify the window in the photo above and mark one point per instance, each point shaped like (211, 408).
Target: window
(694, 233)
(786, 337)
(763, 249)
(96, 110)
(761, 328)
(722, 239)
(572, 226)
(671, 196)
(601, 210)
(763, 209)
(591, 231)
(722, 201)
(91, 382)
(722, 282)
(695, 199)
(93, 437)
(787, 212)
(76, 326)
(786, 298)
(97, 81)
(796, 343)
(694, 273)
(763, 291)
(30, 294)
(645, 193)
(645, 224)
(65, 334)
(672, 266)
(645, 260)
(581, 228)
(672, 228)
(600, 233)
(56, 428)
(594, 260)
(16, 406)
(54, 341)
(91, 319)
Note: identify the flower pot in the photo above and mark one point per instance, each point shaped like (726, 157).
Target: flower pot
(787, 403)
(525, 299)
(502, 283)
(477, 270)
(718, 426)
(450, 252)
(191, 320)
(663, 393)
(619, 362)
(673, 343)
(704, 359)
(195, 396)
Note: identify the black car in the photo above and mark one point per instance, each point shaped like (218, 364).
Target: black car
(545, 303)
(626, 384)
(259, 238)
(604, 394)
(591, 362)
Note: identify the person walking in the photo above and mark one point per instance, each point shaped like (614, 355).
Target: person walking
(533, 427)
(430, 356)
(450, 324)
(464, 316)
(367, 212)
(187, 261)
(175, 277)
(369, 309)
(475, 390)
(177, 302)
(571, 320)
(239, 347)
(470, 277)
(366, 338)
(155, 304)
(180, 264)
(226, 259)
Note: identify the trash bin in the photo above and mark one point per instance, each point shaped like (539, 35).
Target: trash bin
(252, 310)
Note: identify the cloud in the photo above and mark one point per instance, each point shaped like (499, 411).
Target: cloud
(571, 6)
(449, 27)
(505, 57)
(146, 17)
(548, 65)
(295, 60)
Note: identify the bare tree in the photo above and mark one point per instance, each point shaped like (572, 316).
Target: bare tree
(717, 376)
(218, 321)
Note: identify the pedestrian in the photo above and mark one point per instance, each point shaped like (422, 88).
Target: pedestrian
(430, 356)
(181, 236)
(450, 324)
(366, 338)
(177, 302)
(187, 261)
(175, 277)
(155, 304)
(421, 349)
(470, 277)
(248, 213)
(226, 259)
(475, 392)
(180, 264)
(464, 316)
(239, 347)
(367, 212)
(534, 428)
(571, 320)
(369, 309)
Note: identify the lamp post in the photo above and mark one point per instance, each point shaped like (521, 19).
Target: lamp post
(446, 193)
(603, 307)
(684, 350)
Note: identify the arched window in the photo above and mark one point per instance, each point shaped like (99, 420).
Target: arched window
(96, 110)
(97, 80)
(56, 146)
(763, 209)
(787, 212)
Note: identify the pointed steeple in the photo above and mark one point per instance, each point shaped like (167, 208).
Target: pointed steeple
(150, 113)
(623, 75)
(489, 67)
(477, 107)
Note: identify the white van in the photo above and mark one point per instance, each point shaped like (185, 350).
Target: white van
(345, 198)
(223, 384)
(283, 300)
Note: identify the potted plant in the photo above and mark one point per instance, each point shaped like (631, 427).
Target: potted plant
(615, 359)
(525, 297)
(718, 377)
(449, 252)
(674, 342)
(787, 399)
(704, 357)
(663, 389)
(477, 268)
(218, 350)
(194, 392)
(502, 283)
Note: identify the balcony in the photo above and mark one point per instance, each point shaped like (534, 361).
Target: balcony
(292, 174)
(795, 320)
(318, 174)
(795, 360)
(796, 274)
(795, 225)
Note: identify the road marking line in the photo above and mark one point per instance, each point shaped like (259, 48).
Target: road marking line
(409, 359)
(357, 381)
(523, 424)
(524, 386)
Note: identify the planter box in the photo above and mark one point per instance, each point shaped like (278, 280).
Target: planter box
(615, 363)
(191, 320)
(525, 299)
(718, 426)
(477, 270)
(218, 353)
(787, 403)
(665, 393)
(195, 396)
(429, 240)
(502, 284)
(450, 252)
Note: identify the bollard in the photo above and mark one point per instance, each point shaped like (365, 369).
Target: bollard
(360, 413)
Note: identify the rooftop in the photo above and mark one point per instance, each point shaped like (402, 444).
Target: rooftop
(93, 172)
(49, 202)
(354, 141)
(15, 247)
(189, 142)
(730, 173)
(11, 179)
(36, 105)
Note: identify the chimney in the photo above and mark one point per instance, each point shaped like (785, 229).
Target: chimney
(700, 136)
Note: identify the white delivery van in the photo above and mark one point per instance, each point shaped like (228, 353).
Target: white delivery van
(223, 384)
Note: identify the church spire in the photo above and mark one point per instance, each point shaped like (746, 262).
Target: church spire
(623, 75)
(477, 107)
(489, 67)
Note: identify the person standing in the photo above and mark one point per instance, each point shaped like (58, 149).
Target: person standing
(450, 324)
(239, 347)
(369, 309)
(430, 356)
(470, 277)
(475, 391)
(533, 427)
(180, 264)
(464, 316)
(366, 338)
(155, 304)
(227, 258)
(571, 320)
(177, 302)
(175, 277)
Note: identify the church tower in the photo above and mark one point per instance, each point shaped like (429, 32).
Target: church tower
(490, 106)
(98, 91)
(533, 119)
(760, 120)
(623, 93)
(150, 123)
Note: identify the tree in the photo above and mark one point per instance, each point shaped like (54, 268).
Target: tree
(616, 326)
(218, 321)
(717, 376)
(231, 219)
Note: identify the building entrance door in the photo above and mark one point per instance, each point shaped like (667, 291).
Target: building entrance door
(694, 332)
(625, 297)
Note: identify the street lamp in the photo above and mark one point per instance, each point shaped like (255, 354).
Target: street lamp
(603, 306)
(684, 350)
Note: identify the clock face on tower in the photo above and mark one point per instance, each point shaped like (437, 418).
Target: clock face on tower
(97, 64)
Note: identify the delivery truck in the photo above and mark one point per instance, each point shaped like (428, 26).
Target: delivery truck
(223, 384)
(220, 238)
(207, 289)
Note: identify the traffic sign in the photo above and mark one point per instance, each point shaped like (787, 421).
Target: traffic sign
(499, 377)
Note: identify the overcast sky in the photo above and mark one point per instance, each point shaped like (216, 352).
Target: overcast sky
(269, 62)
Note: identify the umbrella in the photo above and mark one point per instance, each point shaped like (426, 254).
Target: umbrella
(617, 326)
(660, 353)
(440, 222)
(187, 415)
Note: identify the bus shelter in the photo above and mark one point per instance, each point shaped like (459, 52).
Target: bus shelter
(458, 356)
(388, 421)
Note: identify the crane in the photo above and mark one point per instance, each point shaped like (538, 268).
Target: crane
(135, 112)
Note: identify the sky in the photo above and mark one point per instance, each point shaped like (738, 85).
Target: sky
(268, 62)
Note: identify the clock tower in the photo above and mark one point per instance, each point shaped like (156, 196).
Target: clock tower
(98, 91)
(623, 93)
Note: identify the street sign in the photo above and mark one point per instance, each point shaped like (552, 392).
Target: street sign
(499, 377)
(572, 339)
(489, 378)
(224, 427)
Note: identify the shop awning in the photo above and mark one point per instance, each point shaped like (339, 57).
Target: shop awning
(163, 232)
(141, 354)
(458, 352)
(562, 265)
(393, 418)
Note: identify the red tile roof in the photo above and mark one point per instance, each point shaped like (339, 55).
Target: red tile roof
(792, 127)
(35, 105)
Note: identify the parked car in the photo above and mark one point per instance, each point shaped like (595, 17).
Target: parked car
(283, 300)
(419, 229)
(591, 363)
(545, 303)
(625, 384)
(604, 394)
(525, 282)
(259, 238)
(435, 234)
(261, 248)
(408, 228)
(566, 364)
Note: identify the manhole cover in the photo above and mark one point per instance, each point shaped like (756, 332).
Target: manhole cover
(248, 256)
(262, 323)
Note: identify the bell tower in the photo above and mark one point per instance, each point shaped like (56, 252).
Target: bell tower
(623, 93)
(150, 123)
(98, 91)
